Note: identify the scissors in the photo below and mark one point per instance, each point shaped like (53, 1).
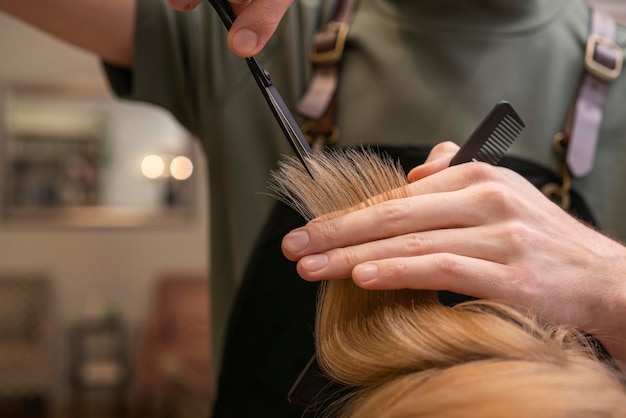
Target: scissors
(282, 114)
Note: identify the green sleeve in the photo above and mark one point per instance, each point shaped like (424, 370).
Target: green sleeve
(173, 52)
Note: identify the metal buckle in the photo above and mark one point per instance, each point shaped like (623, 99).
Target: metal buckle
(331, 56)
(600, 69)
(319, 140)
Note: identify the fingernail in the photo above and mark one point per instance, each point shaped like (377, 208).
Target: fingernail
(245, 41)
(296, 241)
(365, 272)
(314, 262)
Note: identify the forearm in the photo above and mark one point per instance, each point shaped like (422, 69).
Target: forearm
(104, 27)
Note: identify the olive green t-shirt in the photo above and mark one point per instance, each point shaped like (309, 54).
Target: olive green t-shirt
(413, 73)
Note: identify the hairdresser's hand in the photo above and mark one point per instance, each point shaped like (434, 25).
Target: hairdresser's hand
(478, 230)
(256, 22)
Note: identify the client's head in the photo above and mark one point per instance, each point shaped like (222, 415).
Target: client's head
(403, 354)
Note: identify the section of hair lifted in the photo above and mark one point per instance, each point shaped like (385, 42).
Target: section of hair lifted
(404, 354)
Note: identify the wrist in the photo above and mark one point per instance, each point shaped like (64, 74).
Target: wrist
(606, 317)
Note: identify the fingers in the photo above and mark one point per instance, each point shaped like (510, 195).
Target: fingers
(255, 24)
(393, 218)
(460, 226)
(440, 271)
(438, 159)
(453, 198)
(484, 243)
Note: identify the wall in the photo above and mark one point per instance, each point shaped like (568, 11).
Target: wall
(90, 267)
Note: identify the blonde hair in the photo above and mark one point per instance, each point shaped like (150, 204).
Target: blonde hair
(406, 355)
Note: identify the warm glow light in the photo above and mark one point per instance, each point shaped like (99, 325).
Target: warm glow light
(181, 168)
(152, 166)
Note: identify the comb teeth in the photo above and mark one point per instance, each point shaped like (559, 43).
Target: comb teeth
(499, 141)
(492, 137)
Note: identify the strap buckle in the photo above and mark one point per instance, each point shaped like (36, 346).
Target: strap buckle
(318, 135)
(603, 58)
(322, 52)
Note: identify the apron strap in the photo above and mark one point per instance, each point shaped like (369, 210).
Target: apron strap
(318, 103)
(603, 64)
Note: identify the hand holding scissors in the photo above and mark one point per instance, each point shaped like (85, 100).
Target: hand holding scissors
(256, 22)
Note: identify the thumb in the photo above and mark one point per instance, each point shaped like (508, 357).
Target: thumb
(256, 22)
(438, 159)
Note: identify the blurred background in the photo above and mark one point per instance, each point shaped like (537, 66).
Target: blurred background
(103, 244)
(104, 308)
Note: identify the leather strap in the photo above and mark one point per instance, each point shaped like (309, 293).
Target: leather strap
(317, 104)
(603, 64)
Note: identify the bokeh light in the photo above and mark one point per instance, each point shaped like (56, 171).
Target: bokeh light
(181, 167)
(152, 166)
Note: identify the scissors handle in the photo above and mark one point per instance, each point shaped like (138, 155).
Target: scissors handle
(224, 11)
(262, 77)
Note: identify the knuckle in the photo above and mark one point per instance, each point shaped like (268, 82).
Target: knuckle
(416, 244)
(329, 232)
(501, 199)
(481, 172)
(398, 270)
(269, 13)
(516, 236)
(348, 257)
(392, 214)
(449, 266)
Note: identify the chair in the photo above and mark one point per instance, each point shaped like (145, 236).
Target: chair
(173, 362)
(26, 329)
(99, 366)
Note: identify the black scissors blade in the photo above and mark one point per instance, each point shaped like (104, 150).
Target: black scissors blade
(289, 126)
(280, 110)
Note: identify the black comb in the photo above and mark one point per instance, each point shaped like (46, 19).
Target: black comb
(492, 137)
